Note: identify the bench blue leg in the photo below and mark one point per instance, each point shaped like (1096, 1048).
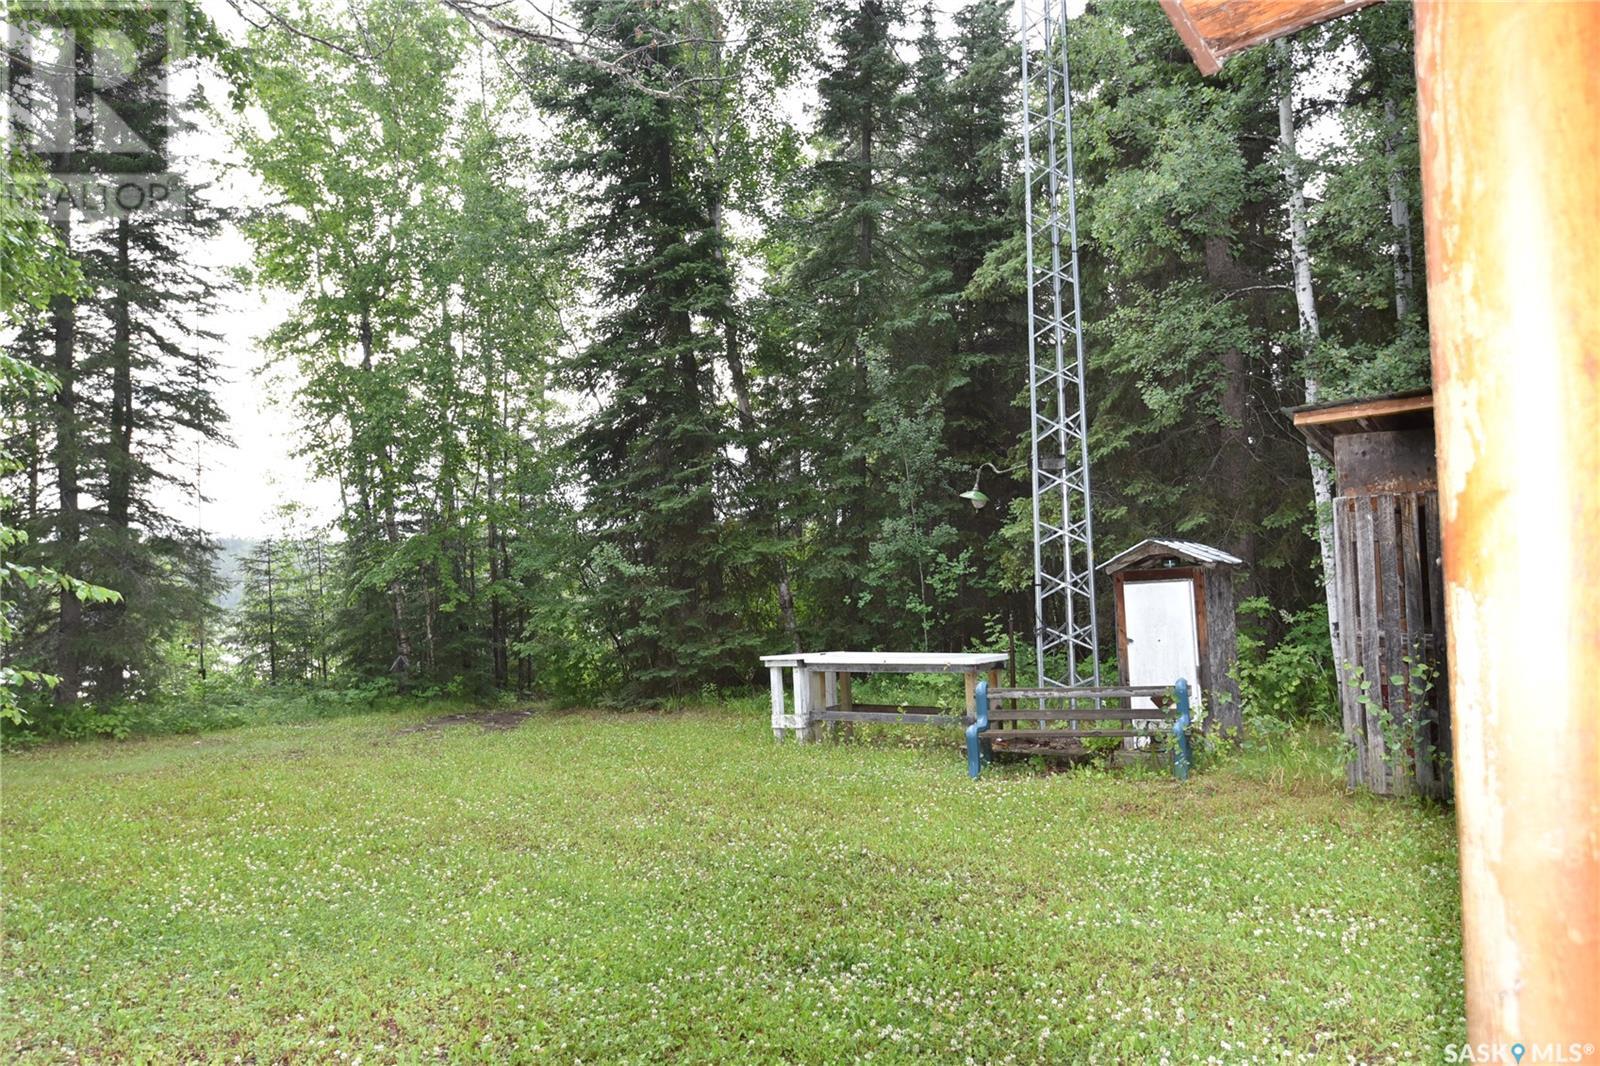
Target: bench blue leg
(975, 759)
(1182, 757)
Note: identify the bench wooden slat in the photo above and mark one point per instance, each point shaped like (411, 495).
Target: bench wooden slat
(1087, 714)
(1145, 691)
(892, 708)
(996, 736)
(888, 718)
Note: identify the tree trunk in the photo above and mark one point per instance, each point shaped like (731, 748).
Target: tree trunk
(391, 530)
(1399, 217)
(494, 425)
(1310, 325)
(1234, 457)
(272, 622)
(69, 531)
(119, 463)
(119, 470)
(322, 614)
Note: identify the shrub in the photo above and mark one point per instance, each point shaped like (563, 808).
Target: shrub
(1292, 679)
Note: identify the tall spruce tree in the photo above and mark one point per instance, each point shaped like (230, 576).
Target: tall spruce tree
(842, 287)
(962, 167)
(654, 450)
(134, 373)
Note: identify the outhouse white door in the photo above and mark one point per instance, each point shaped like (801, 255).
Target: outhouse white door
(1162, 642)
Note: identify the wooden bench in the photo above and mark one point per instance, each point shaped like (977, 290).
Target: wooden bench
(1064, 715)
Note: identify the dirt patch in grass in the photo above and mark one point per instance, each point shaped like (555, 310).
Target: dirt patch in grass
(491, 721)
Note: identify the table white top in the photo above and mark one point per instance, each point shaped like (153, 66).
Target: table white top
(787, 659)
(933, 662)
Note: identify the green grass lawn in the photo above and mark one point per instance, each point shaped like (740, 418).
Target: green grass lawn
(640, 887)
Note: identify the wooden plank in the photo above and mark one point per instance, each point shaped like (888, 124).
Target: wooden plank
(1428, 505)
(1087, 693)
(1069, 734)
(832, 716)
(888, 708)
(970, 682)
(1223, 700)
(1371, 634)
(847, 701)
(814, 701)
(1192, 38)
(786, 659)
(1348, 583)
(802, 703)
(775, 678)
(1120, 609)
(1121, 714)
(1410, 558)
(1350, 412)
(906, 662)
(1396, 758)
(830, 698)
(1035, 747)
(1398, 462)
(1430, 525)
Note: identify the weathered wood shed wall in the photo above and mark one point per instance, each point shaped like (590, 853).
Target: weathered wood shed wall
(1389, 580)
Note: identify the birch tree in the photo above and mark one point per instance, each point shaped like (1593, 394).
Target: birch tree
(1310, 325)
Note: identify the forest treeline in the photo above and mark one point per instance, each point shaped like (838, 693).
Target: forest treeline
(640, 353)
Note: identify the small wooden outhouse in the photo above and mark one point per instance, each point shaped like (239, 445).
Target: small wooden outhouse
(1389, 589)
(1175, 618)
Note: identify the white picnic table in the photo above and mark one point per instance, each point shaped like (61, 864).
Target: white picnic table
(820, 682)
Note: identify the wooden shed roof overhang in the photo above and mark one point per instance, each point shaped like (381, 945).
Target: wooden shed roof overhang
(1322, 422)
(1213, 30)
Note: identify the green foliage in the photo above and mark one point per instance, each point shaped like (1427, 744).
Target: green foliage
(15, 681)
(227, 698)
(428, 288)
(626, 376)
(21, 684)
(658, 156)
(35, 264)
(283, 627)
(893, 376)
(1288, 680)
(1366, 224)
(110, 308)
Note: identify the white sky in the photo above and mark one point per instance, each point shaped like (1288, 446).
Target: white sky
(247, 482)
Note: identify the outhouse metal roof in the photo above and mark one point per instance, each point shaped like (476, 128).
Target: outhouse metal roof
(1193, 551)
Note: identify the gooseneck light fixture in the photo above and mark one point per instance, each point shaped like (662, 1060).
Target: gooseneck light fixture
(976, 496)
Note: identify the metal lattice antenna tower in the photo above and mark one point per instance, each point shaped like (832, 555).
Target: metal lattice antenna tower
(1066, 630)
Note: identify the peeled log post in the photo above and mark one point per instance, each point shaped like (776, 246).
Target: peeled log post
(1509, 114)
